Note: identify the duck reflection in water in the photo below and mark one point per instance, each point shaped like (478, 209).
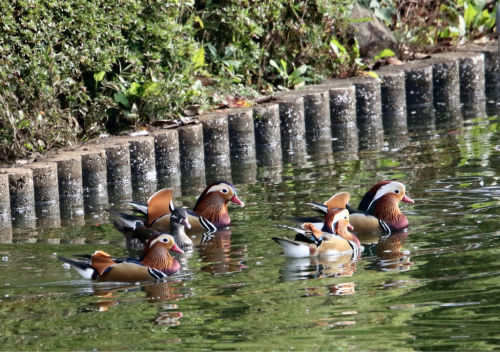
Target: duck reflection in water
(155, 292)
(319, 267)
(216, 249)
(390, 256)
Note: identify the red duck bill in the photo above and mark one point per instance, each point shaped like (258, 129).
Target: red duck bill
(236, 200)
(407, 199)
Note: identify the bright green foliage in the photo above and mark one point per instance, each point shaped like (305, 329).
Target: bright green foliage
(70, 68)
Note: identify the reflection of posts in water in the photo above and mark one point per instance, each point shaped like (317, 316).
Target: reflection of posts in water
(390, 254)
(94, 203)
(119, 193)
(5, 231)
(294, 151)
(243, 168)
(449, 119)
(48, 215)
(320, 150)
(71, 209)
(217, 169)
(217, 250)
(315, 267)
(396, 130)
(170, 179)
(474, 109)
(370, 135)
(345, 139)
(192, 178)
(421, 119)
(142, 189)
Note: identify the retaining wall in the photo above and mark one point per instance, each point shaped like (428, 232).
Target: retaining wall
(401, 100)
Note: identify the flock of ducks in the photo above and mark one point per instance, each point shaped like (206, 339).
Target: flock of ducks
(160, 228)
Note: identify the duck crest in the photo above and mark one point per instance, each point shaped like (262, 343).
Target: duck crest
(368, 197)
(386, 209)
(330, 216)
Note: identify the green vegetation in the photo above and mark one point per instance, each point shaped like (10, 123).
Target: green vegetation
(70, 70)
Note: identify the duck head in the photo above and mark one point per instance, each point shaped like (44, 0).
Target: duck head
(156, 253)
(179, 218)
(337, 222)
(384, 205)
(212, 203)
(381, 189)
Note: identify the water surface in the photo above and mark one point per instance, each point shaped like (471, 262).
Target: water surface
(435, 287)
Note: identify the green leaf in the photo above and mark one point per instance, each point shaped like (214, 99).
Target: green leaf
(134, 89)
(151, 88)
(200, 22)
(469, 15)
(384, 14)
(299, 71)
(372, 74)
(283, 63)
(119, 97)
(274, 64)
(99, 76)
(384, 53)
(197, 86)
(364, 19)
(229, 50)
(299, 82)
(212, 50)
(233, 63)
(337, 47)
(199, 58)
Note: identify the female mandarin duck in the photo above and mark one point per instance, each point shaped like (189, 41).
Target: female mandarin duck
(136, 234)
(333, 239)
(378, 209)
(209, 214)
(154, 264)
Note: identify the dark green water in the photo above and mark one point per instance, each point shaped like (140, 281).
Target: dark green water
(433, 288)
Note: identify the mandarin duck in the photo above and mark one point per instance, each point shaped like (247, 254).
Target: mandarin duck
(333, 239)
(378, 210)
(136, 234)
(209, 214)
(155, 263)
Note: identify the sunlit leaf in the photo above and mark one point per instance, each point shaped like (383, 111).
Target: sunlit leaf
(120, 97)
(99, 76)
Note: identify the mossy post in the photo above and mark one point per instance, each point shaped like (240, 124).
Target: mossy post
(69, 174)
(446, 80)
(368, 96)
(191, 145)
(266, 119)
(316, 109)
(4, 198)
(142, 157)
(117, 162)
(167, 150)
(292, 117)
(21, 189)
(419, 83)
(94, 169)
(215, 136)
(241, 132)
(392, 89)
(472, 80)
(45, 182)
(342, 102)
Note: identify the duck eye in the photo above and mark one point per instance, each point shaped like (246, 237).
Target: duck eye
(224, 190)
(345, 217)
(396, 191)
(165, 240)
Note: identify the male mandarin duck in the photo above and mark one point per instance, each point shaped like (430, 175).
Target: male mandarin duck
(209, 214)
(154, 264)
(333, 239)
(136, 234)
(378, 210)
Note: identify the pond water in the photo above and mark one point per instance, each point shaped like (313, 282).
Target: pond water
(432, 288)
